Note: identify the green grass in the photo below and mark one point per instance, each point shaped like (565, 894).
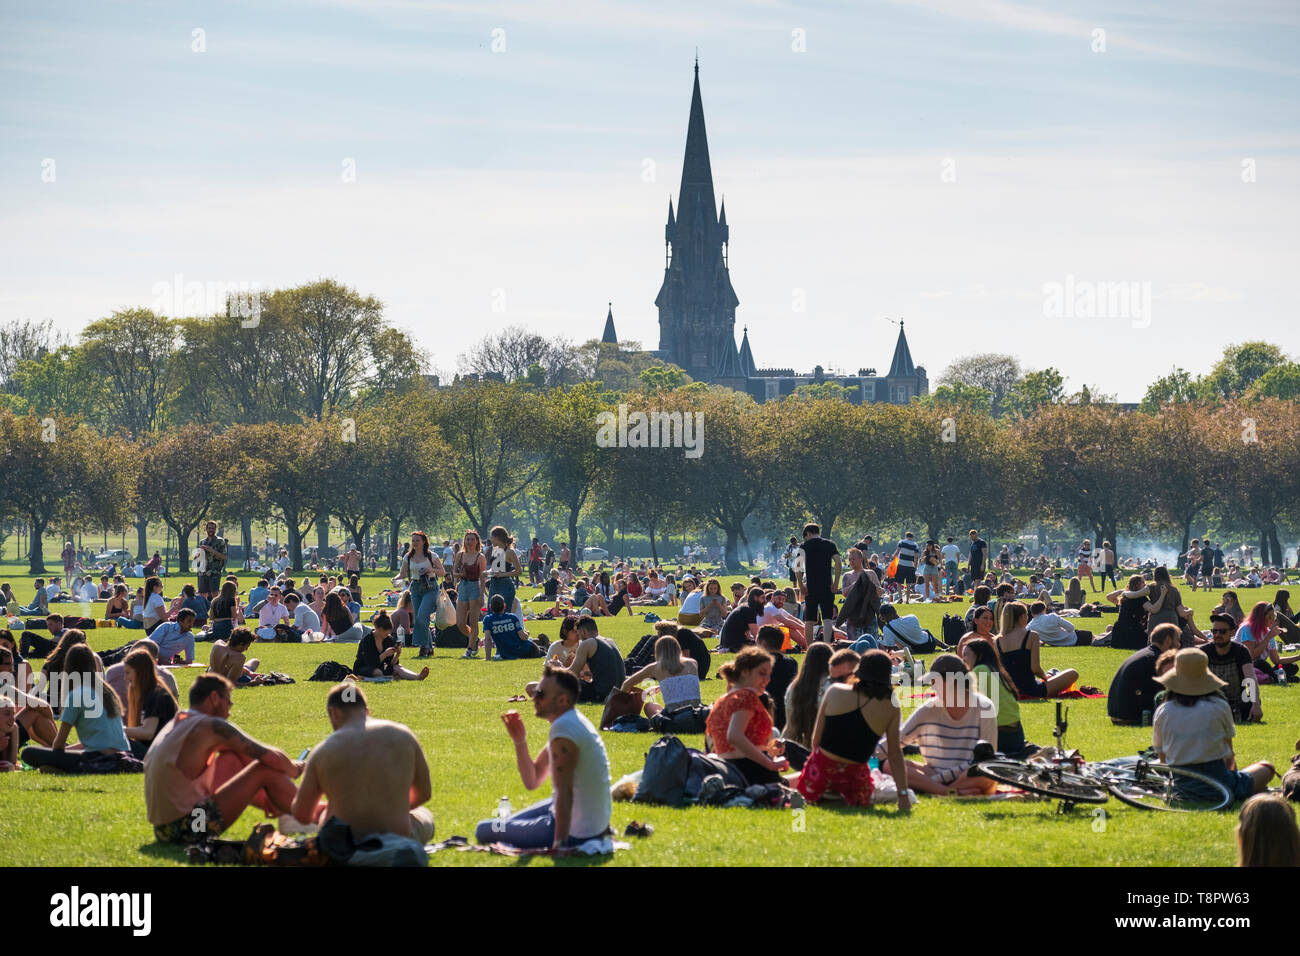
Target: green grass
(99, 821)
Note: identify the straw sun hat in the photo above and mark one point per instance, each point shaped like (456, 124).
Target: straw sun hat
(1191, 675)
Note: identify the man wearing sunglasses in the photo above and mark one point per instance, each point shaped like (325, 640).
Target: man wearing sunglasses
(1231, 663)
(574, 758)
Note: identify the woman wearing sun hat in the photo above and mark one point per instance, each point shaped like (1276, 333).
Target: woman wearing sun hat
(1193, 728)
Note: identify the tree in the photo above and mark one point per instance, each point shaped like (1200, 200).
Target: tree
(570, 473)
(1187, 468)
(957, 395)
(1034, 390)
(1281, 381)
(1240, 366)
(326, 335)
(24, 341)
(991, 371)
(233, 373)
(727, 482)
(1177, 386)
(179, 479)
(1085, 463)
(62, 383)
(286, 467)
(660, 378)
(831, 390)
(1262, 466)
(412, 483)
(813, 436)
(492, 429)
(61, 472)
(133, 349)
(510, 353)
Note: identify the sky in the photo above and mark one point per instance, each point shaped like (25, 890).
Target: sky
(958, 164)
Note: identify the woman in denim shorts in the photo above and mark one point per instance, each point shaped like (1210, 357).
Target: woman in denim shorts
(467, 571)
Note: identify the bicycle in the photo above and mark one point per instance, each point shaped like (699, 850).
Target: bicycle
(1135, 781)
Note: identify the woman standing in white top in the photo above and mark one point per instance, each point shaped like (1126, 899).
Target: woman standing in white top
(422, 568)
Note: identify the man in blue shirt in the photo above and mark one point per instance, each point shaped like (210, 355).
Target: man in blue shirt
(173, 637)
(507, 632)
(257, 597)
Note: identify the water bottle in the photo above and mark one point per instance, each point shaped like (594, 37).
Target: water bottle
(1280, 676)
(401, 635)
(1146, 718)
(504, 809)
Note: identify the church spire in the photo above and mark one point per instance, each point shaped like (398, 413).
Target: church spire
(696, 196)
(747, 367)
(902, 366)
(609, 338)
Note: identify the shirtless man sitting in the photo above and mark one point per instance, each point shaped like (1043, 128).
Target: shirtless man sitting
(372, 773)
(228, 657)
(202, 772)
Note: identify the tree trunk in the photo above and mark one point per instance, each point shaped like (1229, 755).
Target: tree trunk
(573, 535)
(141, 545)
(394, 528)
(654, 552)
(1264, 546)
(733, 535)
(1279, 559)
(182, 550)
(1187, 542)
(36, 560)
(295, 544)
(246, 532)
(322, 533)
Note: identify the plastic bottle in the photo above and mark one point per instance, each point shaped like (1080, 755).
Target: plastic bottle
(1280, 676)
(1146, 718)
(504, 809)
(401, 635)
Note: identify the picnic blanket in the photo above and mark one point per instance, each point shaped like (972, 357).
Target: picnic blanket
(599, 846)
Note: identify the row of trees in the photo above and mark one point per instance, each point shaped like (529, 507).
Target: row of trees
(482, 452)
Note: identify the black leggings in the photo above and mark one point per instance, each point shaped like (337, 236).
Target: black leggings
(1108, 573)
(754, 772)
(69, 761)
(33, 645)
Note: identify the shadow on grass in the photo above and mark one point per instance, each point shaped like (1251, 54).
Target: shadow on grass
(163, 851)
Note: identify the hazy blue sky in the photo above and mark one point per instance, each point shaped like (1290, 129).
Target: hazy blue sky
(538, 177)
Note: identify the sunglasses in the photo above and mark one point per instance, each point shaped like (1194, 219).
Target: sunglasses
(539, 694)
(1220, 630)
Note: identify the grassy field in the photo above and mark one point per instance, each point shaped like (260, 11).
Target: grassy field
(99, 821)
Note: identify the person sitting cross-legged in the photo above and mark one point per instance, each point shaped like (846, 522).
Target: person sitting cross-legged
(375, 778)
(202, 772)
(507, 632)
(229, 657)
(947, 727)
(574, 758)
(378, 653)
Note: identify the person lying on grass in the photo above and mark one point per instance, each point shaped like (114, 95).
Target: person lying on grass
(373, 775)
(202, 772)
(947, 727)
(850, 722)
(574, 758)
(378, 653)
(35, 716)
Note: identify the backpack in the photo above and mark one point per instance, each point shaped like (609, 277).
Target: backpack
(642, 654)
(690, 719)
(117, 654)
(954, 626)
(331, 671)
(663, 780)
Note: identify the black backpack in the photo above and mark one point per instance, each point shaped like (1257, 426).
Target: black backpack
(954, 626)
(331, 671)
(642, 654)
(663, 780)
(690, 719)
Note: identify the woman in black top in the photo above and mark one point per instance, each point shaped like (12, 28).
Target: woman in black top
(1130, 630)
(1018, 648)
(222, 612)
(150, 706)
(741, 626)
(378, 653)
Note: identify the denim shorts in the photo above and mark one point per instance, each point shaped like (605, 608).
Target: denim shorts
(468, 591)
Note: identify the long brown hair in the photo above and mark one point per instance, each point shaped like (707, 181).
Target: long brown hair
(141, 663)
(804, 689)
(749, 659)
(423, 537)
(1266, 832)
(81, 660)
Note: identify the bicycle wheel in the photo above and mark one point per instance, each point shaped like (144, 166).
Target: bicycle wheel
(1154, 786)
(1049, 781)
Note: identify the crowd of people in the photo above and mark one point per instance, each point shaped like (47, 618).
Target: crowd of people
(828, 727)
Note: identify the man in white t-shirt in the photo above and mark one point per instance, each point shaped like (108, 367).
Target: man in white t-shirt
(304, 618)
(895, 630)
(574, 758)
(271, 614)
(775, 614)
(951, 556)
(1050, 627)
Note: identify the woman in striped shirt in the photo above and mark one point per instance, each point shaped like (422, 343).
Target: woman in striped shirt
(1085, 563)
